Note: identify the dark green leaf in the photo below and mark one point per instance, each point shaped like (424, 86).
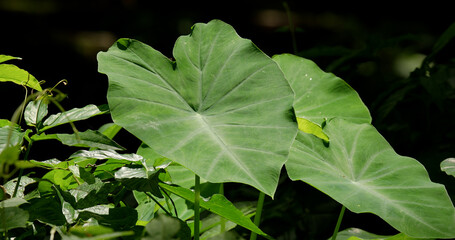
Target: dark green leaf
(164, 227)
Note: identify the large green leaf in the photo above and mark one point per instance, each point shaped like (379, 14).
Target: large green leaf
(223, 109)
(360, 170)
(320, 95)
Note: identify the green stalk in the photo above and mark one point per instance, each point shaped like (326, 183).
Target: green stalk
(291, 26)
(337, 227)
(197, 193)
(21, 171)
(222, 219)
(257, 217)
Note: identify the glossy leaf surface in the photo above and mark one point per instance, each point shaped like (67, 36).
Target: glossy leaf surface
(448, 166)
(223, 109)
(75, 114)
(360, 170)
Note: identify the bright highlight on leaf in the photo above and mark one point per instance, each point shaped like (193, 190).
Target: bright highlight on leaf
(311, 128)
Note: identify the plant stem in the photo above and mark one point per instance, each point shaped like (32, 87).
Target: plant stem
(222, 219)
(291, 26)
(21, 171)
(257, 217)
(197, 193)
(337, 227)
(156, 201)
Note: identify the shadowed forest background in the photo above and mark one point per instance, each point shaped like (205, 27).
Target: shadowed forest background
(375, 48)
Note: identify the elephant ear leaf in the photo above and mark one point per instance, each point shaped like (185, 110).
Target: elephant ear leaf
(361, 171)
(223, 109)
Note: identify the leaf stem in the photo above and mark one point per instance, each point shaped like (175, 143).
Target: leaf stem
(222, 219)
(337, 227)
(291, 26)
(156, 201)
(197, 193)
(257, 217)
(21, 171)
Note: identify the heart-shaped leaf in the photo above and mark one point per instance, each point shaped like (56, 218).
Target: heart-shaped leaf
(223, 109)
(361, 171)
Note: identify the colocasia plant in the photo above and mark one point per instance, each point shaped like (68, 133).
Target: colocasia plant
(222, 111)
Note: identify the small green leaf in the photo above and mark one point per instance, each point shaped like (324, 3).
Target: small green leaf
(13, 136)
(110, 130)
(35, 112)
(311, 128)
(217, 204)
(139, 179)
(75, 114)
(11, 73)
(4, 58)
(448, 166)
(88, 138)
(105, 154)
(12, 217)
(11, 185)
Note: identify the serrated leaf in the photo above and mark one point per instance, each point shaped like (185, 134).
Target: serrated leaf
(223, 104)
(361, 171)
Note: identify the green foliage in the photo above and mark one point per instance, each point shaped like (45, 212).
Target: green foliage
(11, 73)
(222, 111)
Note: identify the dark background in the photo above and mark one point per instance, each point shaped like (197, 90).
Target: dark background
(60, 39)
